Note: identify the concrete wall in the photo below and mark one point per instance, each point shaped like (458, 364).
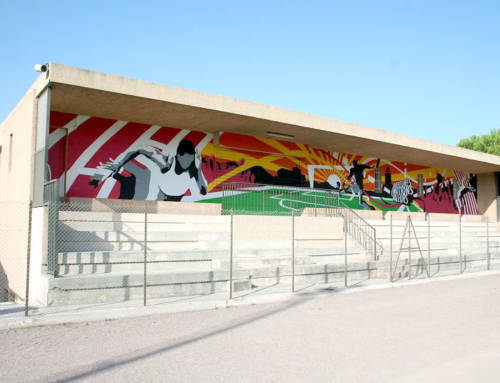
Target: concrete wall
(309, 231)
(16, 139)
(401, 215)
(487, 195)
(38, 279)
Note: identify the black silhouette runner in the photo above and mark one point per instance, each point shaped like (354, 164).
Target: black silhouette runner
(357, 171)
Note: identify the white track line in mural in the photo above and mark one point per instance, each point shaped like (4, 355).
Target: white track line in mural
(60, 133)
(171, 147)
(368, 159)
(79, 164)
(56, 136)
(282, 200)
(108, 185)
(201, 145)
(350, 196)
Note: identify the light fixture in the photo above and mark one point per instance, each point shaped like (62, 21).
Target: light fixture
(280, 135)
(41, 67)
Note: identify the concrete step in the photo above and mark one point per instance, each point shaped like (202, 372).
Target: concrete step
(312, 273)
(473, 251)
(139, 217)
(434, 232)
(70, 263)
(126, 226)
(439, 265)
(96, 288)
(98, 221)
(171, 245)
(155, 241)
(423, 221)
(137, 255)
(115, 287)
(182, 262)
(442, 269)
(128, 236)
(90, 257)
(133, 267)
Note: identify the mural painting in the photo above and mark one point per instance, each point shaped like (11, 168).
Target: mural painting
(102, 158)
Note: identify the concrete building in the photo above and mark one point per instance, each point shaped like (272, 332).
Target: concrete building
(104, 137)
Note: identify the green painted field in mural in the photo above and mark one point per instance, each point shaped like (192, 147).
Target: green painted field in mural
(283, 202)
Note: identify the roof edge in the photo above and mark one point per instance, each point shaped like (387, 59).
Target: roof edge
(69, 75)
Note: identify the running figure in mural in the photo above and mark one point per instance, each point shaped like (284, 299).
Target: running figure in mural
(356, 187)
(166, 177)
(460, 193)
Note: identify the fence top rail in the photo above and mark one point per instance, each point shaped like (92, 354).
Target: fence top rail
(228, 185)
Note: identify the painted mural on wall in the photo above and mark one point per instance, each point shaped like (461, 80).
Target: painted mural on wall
(102, 158)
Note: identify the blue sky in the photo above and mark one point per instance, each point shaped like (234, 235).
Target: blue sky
(429, 69)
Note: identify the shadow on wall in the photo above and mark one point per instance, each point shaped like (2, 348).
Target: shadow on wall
(4, 285)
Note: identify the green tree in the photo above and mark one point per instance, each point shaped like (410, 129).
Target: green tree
(487, 143)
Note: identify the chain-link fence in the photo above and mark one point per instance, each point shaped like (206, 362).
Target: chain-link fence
(261, 199)
(423, 246)
(116, 250)
(14, 246)
(275, 200)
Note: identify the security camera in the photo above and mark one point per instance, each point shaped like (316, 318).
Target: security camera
(41, 67)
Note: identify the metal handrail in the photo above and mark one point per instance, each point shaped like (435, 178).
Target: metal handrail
(364, 233)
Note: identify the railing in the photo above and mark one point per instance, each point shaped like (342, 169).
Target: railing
(262, 199)
(361, 231)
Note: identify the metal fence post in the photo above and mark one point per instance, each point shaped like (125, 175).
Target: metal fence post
(460, 241)
(429, 245)
(224, 202)
(409, 247)
(263, 209)
(345, 251)
(145, 250)
(390, 250)
(28, 261)
(487, 245)
(293, 251)
(231, 258)
(315, 205)
(375, 245)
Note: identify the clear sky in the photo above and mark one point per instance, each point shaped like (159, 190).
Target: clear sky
(429, 69)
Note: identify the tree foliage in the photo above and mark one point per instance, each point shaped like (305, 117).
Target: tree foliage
(487, 143)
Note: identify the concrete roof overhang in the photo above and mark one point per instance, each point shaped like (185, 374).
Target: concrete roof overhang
(80, 91)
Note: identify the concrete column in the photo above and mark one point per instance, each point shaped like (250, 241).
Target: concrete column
(487, 195)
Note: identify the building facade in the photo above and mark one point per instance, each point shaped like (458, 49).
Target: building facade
(108, 137)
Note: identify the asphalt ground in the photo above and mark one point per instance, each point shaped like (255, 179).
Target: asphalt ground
(437, 331)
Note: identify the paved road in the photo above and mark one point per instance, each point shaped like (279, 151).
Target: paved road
(442, 331)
